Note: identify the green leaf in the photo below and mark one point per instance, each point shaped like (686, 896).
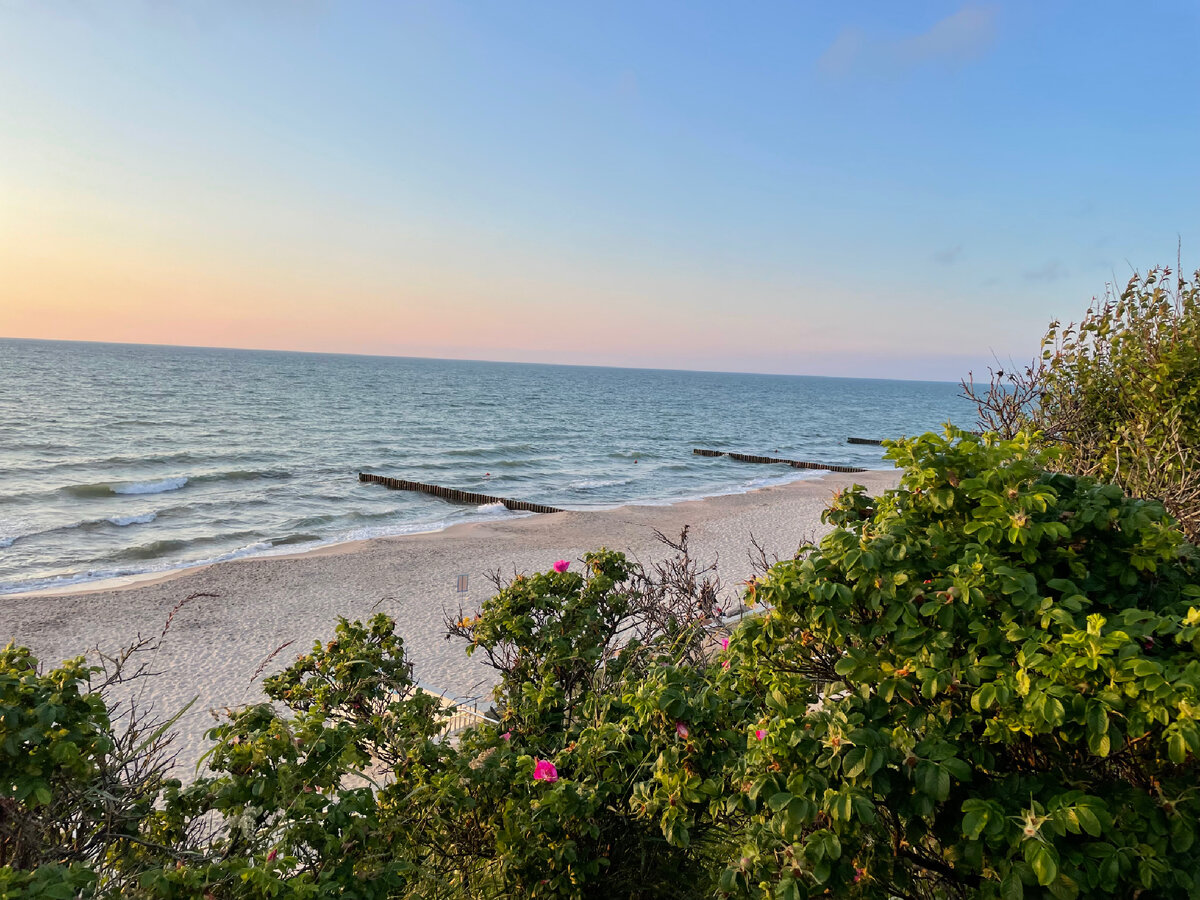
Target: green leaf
(779, 801)
(855, 762)
(974, 822)
(1177, 748)
(1043, 860)
(942, 790)
(845, 665)
(1011, 887)
(787, 889)
(1088, 820)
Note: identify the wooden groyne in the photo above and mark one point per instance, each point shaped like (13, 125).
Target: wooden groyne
(794, 463)
(864, 441)
(400, 484)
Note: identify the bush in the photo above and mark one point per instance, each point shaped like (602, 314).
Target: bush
(1118, 396)
(984, 684)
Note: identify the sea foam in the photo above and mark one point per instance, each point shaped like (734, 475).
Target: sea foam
(151, 487)
(143, 519)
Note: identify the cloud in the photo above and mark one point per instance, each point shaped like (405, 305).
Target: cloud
(958, 38)
(846, 49)
(948, 255)
(1050, 271)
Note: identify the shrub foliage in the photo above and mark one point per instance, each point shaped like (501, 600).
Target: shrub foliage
(982, 684)
(1118, 395)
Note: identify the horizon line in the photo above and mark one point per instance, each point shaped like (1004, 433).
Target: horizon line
(465, 359)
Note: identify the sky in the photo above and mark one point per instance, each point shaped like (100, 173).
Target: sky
(908, 190)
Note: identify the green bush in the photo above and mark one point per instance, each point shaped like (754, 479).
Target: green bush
(984, 684)
(1118, 395)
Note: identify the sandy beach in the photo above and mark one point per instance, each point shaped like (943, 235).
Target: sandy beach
(216, 643)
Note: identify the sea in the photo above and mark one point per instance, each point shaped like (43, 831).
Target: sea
(122, 459)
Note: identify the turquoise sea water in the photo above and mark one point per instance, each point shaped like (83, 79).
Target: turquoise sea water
(121, 459)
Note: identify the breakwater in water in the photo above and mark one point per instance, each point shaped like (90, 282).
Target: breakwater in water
(455, 495)
(794, 463)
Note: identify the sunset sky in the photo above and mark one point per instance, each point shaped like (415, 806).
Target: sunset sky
(877, 188)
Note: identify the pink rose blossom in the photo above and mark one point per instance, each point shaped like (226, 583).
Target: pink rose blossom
(507, 735)
(561, 565)
(724, 643)
(761, 734)
(681, 729)
(544, 770)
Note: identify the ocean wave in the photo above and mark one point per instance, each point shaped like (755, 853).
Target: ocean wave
(100, 575)
(152, 550)
(295, 539)
(85, 524)
(630, 454)
(108, 488)
(241, 475)
(173, 483)
(151, 487)
(486, 452)
(105, 462)
(122, 521)
(588, 484)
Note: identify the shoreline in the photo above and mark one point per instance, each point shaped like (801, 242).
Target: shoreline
(334, 545)
(254, 610)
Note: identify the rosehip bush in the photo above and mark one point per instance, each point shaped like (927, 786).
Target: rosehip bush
(983, 684)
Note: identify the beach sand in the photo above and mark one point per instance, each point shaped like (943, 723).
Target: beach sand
(215, 644)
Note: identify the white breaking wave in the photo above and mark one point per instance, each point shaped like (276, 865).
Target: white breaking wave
(151, 487)
(491, 509)
(143, 519)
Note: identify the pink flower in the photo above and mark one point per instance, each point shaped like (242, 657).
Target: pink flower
(761, 734)
(544, 770)
(561, 565)
(271, 856)
(681, 729)
(725, 664)
(507, 735)
(724, 643)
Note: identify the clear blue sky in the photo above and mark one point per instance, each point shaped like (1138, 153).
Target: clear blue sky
(876, 188)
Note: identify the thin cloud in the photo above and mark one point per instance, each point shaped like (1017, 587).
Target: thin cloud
(1050, 271)
(948, 255)
(958, 38)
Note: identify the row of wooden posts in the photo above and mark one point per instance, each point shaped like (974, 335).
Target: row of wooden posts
(401, 484)
(794, 463)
